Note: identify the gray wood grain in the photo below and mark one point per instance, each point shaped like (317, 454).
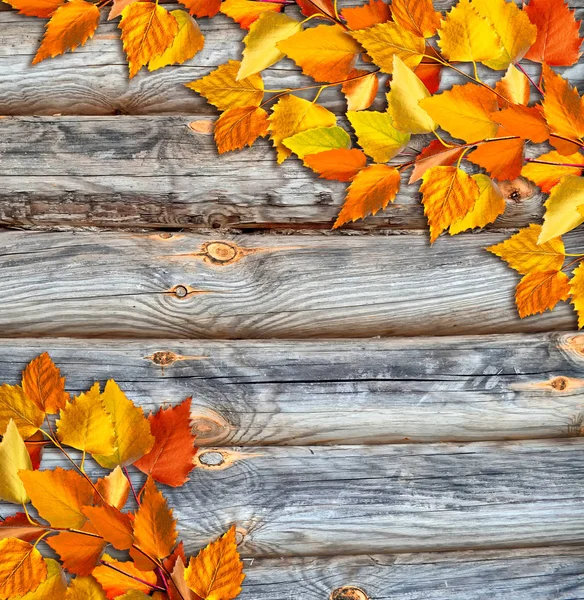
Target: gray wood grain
(553, 573)
(163, 285)
(338, 392)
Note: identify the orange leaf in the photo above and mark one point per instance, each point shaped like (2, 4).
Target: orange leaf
(35, 8)
(115, 527)
(118, 7)
(341, 164)
(313, 7)
(179, 590)
(18, 526)
(526, 122)
(246, 12)
(362, 17)
(417, 16)
(216, 573)
(115, 583)
(514, 86)
(372, 189)
(430, 75)
(558, 41)
(546, 176)
(15, 405)
(147, 31)
(361, 91)
(436, 154)
(154, 526)
(58, 495)
(171, 458)
(79, 553)
(22, 568)
(71, 25)
(114, 488)
(239, 127)
(448, 194)
(539, 291)
(202, 8)
(501, 159)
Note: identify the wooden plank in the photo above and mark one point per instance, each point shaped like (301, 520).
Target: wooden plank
(190, 286)
(344, 500)
(338, 392)
(530, 574)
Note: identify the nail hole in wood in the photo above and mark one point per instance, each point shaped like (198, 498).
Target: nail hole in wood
(180, 291)
(348, 593)
(211, 458)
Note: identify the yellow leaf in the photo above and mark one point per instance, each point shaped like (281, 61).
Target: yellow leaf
(561, 208)
(84, 424)
(43, 384)
(371, 190)
(239, 127)
(464, 111)
(402, 100)
(417, 16)
(514, 86)
(154, 526)
(22, 568)
(320, 139)
(246, 12)
(187, 42)
(135, 595)
(147, 31)
(85, 588)
(340, 165)
(383, 41)
(577, 292)
(13, 457)
(59, 496)
(324, 52)
(448, 194)
(114, 488)
(115, 583)
(515, 30)
(539, 291)
(71, 25)
(465, 36)
(14, 404)
(35, 8)
(489, 205)
(291, 115)
(562, 105)
(216, 573)
(376, 134)
(260, 50)
(222, 89)
(132, 435)
(360, 89)
(546, 176)
(53, 587)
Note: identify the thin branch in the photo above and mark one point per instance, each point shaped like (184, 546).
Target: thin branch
(150, 585)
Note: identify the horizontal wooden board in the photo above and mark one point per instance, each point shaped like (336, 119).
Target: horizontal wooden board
(533, 574)
(346, 500)
(157, 172)
(338, 392)
(191, 286)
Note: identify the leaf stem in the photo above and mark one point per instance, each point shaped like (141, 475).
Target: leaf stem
(125, 470)
(150, 585)
(555, 164)
(537, 87)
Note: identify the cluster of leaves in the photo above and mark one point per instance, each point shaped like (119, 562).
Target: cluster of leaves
(80, 518)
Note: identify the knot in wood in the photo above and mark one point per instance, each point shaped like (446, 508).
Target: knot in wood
(221, 252)
(181, 291)
(348, 593)
(163, 358)
(211, 458)
(559, 383)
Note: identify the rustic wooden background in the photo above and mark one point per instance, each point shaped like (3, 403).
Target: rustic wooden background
(349, 446)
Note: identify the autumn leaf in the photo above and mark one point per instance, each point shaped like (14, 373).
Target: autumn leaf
(114, 488)
(13, 458)
(137, 595)
(34, 446)
(239, 127)
(371, 190)
(523, 253)
(53, 587)
(79, 553)
(18, 526)
(514, 86)
(562, 106)
(85, 588)
(115, 583)
(59, 495)
(187, 42)
(466, 36)
(70, 26)
(402, 100)
(222, 89)
(114, 526)
(417, 16)
(132, 437)
(539, 291)
(216, 573)
(15, 405)
(246, 12)
(340, 165)
(558, 40)
(320, 139)
(22, 568)
(377, 135)
(385, 40)
(261, 50)
(84, 424)
(526, 122)
(360, 89)
(430, 75)
(202, 8)
(547, 175)
(118, 7)
(435, 154)
(290, 116)
(561, 208)
(448, 194)
(43, 384)
(35, 8)
(577, 293)
(367, 15)
(147, 31)
(324, 52)
(502, 159)
(179, 590)
(464, 111)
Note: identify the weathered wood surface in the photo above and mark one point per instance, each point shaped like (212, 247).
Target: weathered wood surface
(345, 500)
(338, 392)
(531, 574)
(191, 286)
